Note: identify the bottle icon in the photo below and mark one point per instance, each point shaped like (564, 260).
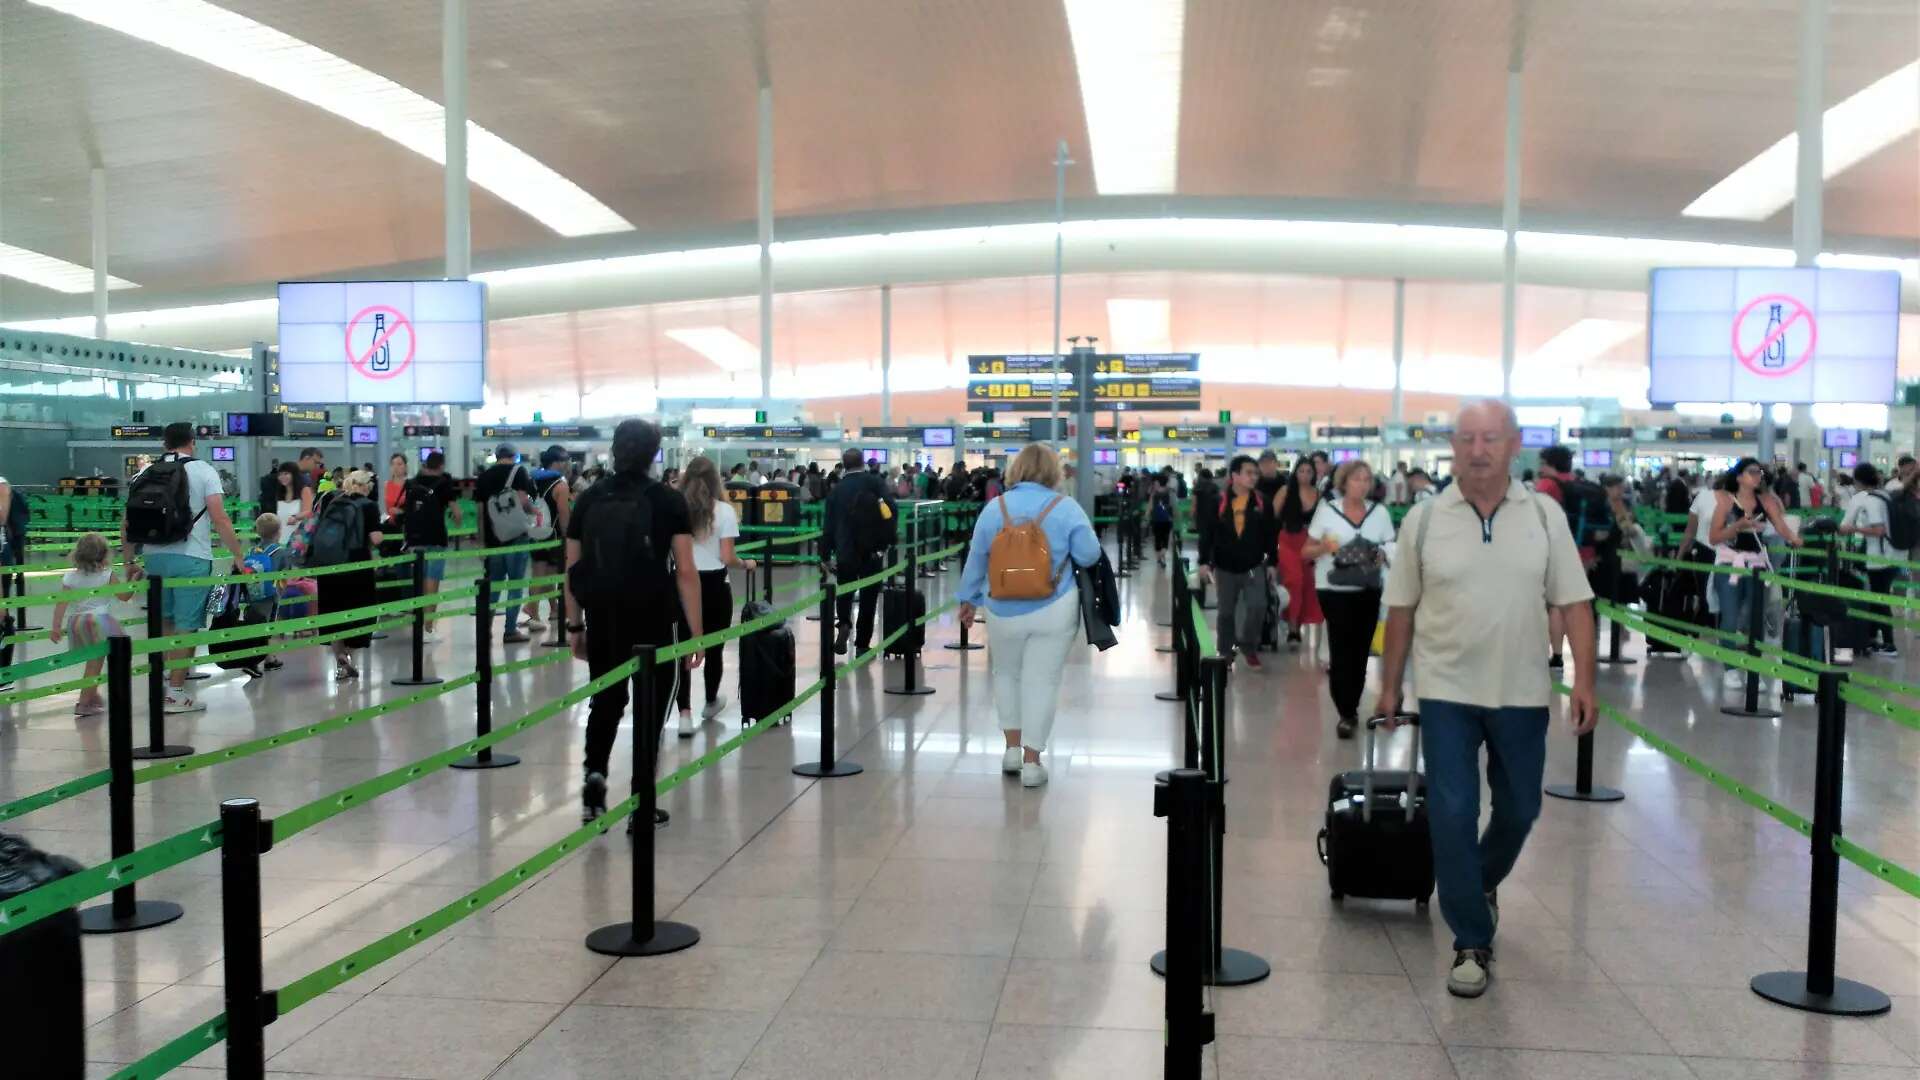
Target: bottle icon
(382, 357)
(1776, 354)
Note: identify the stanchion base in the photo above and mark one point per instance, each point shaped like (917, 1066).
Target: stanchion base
(1164, 648)
(1572, 792)
(619, 939)
(196, 676)
(25, 628)
(813, 618)
(1169, 695)
(829, 771)
(963, 646)
(1237, 968)
(1761, 713)
(146, 913)
(1849, 998)
(1623, 661)
(148, 753)
(498, 761)
(901, 691)
(378, 635)
(428, 680)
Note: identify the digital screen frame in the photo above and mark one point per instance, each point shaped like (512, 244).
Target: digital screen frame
(363, 434)
(874, 455)
(383, 342)
(1849, 459)
(1250, 436)
(1538, 438)
(936, 437)
(1596, 459)
(1840, 438)
(427, 450)
(223, 453)
(1106, 456)
(1787, 335)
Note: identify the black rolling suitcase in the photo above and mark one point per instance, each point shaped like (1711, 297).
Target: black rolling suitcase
(1376, 843)
(902, 607)
(42, 1006)
(234, 612)
(766, 665)
(1270, 626)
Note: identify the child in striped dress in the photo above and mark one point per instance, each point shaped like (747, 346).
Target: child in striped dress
(88, 620)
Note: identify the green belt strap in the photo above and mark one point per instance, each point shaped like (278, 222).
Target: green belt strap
(1905, 602)
(284, 575)
(309, 622)
(64, 596)
(936, 613)
(177, 1052)
(720, 637)
(484, 553)
(867, 657)
(306, 817)
(1686, 627)
(1899, 714)
(1681, 564)
(1878, 865)
(1730, 657)
(58, 793)
(35, 904)
(873, 579)
(52, 662)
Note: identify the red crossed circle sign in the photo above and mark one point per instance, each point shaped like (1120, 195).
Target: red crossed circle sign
(1793, 309)
(397, 322)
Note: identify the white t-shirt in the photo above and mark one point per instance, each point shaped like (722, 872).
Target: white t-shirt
(1702, 511)
(706, 548)
(1330, 523)
(87, 605)
(202, 481)
(1866, 509)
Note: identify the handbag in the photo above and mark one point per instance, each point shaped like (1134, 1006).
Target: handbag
(1356, 565)
(1099, 634)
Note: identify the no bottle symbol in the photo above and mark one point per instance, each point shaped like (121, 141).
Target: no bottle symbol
(1774, 335)
(380, 342)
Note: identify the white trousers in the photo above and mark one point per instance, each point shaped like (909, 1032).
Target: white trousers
(1026, 656)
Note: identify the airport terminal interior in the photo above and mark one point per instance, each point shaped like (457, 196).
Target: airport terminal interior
(388, 388)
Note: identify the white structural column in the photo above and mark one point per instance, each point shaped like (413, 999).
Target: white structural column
(97, 189)
(453, 89)
(765, 158)
(1059, 255)
(1399, 349)
(1510, 224)
(886, 354)
(1809, 185)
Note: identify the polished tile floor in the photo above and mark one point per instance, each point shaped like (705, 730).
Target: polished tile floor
(929, 918)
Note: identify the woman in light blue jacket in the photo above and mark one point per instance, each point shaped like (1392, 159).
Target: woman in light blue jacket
(1027, 650)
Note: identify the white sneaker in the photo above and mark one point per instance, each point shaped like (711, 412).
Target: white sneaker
(1468, 979)
(1011, 760)
(1734, 679)
(428, 637)
(533, 623)
(1843, 657)
(1032, 774)
(714, 708)
(182, 703)
(686, 724)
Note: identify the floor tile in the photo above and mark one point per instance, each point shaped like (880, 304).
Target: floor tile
(1703, 1022)
(1080, 993)
(603, 1042)
(707, 976)
(1492, 1063)
(1244, 1057)
(915, 986)
(501, 969)
(899, 926)
(1518, 1014)
(1352, 1008)
(422, 1038)
(811, 1047)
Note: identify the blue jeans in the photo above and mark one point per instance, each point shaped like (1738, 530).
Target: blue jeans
(512, 567)
(1467, 864)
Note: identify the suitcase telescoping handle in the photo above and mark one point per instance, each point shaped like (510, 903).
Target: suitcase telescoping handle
(1413, 774)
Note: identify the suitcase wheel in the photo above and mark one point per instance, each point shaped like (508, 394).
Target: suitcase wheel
(1320, 842)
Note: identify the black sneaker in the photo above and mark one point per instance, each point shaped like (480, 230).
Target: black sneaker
(1293, 638)
(1555, 662)
(254, 671)
(660, 819)
(840, 644)
(515, 638)
(593, 796)
(1346, 726)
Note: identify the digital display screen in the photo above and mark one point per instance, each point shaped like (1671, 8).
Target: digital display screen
(1339, 456)
(1848, 459)
(269, 424)
(1106, 457)
(1597, 459)
(1249, 436)
(1789, 335)
(223, 453)
(936, 436)
(383, 342)
(364, 434)
(1537, 438)
(875, 456)
(1834, 438)
(427, 451)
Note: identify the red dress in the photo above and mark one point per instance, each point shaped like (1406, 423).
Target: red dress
(1296, 576)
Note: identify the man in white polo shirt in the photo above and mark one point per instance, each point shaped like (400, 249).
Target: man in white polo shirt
(1488, 559)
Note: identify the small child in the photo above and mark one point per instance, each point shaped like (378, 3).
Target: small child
(265, 557)
(91, 621)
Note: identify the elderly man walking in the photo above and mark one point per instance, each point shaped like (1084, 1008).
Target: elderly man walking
(1480, 566)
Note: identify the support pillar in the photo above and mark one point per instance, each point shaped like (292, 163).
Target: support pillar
(886, 355)
(1060, 163)
(1399, 350)
(1510, 224)
(453, 93)
(765, 172)
(97, 189)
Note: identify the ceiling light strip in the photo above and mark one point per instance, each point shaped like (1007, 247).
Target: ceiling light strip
(51, 273)
(255, 51)
(1128, 54)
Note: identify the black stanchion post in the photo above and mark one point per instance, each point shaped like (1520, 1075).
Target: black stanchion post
(1182, 639)
(1176, 585)
(1756, 591)
(1183, 801)
(1582, 789)
(125, 911)
(419, 676)
(766, 572)
(157, 746)
(1224, 966)
(827, 767)
(910, 685)
(484, 758)
(1817, 989)
(645, 935)
(1611, 578)
(244, 837)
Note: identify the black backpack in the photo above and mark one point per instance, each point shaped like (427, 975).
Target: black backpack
(420, 510)
(618, 562)
(1903, 519)
(157, 504)
(1589, 518)
(338, 532)
(871, 524)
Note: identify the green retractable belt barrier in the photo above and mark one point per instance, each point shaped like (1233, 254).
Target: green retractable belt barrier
(35, 904)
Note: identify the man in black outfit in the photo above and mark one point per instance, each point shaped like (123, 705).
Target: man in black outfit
(660, 563)
(506, 471)
(855, 556)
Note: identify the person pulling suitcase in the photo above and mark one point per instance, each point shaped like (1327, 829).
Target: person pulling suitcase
(716, 525)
